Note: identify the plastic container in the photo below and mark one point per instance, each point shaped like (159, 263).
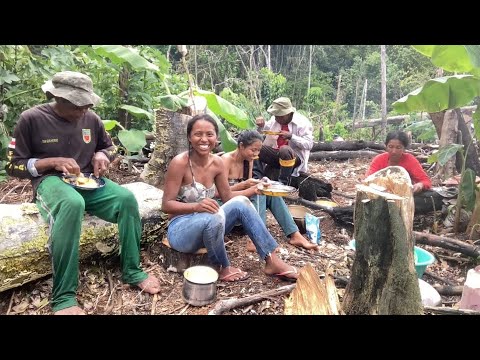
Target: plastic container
(423, 258)
(471, 291)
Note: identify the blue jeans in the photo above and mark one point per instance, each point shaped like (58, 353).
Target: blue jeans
(190, 232)
(279, 209)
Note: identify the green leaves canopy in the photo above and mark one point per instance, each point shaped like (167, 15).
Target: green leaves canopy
(448, 92)
(455, 58)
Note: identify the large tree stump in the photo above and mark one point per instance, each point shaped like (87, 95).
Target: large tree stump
(24, 234)
(177, 261)
(383, 279)
(170, 140)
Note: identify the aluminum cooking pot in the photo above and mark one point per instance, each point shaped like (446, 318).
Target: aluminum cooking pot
(199, 285)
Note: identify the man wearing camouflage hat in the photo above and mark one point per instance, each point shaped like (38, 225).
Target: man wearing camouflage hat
(66, 137)
(288, 141)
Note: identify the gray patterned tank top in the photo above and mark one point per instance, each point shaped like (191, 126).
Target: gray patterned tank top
(195, 191)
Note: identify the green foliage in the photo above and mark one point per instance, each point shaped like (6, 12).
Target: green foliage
(468, 187)
(445, 153)
(440, 94)
(132, 140)
(423, 130)
(454, 58)
(273, 86)
(120, 54)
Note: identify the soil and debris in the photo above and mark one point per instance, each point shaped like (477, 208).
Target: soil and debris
(101, 290)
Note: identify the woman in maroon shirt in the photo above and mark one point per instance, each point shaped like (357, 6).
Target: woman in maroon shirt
(396, 143)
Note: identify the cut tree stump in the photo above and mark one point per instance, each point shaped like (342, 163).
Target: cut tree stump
(177, 261)
(24, 234)
(383, 279)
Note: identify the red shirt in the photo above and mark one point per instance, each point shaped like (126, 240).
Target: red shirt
(408, 162)
(282, 141)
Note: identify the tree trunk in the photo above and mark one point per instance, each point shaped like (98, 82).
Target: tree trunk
(448, 136)
(437, 119)
(342, 155)
(123, 79)
(472, 161)
(383, 66)
(383, 279)
(346, 145)
(170, 140)
(24, 234)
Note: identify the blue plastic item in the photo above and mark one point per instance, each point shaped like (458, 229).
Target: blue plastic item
(423, 258)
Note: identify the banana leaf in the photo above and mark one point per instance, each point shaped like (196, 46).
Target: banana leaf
(448, 92)
(120, 54)
(454, 58)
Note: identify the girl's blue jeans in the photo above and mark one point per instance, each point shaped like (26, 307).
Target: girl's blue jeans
(190, 232)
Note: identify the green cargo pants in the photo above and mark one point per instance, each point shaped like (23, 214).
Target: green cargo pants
(63, 207)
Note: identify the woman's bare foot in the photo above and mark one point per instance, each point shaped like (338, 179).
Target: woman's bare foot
(275, 266)
(72, 310)
(150, 285)
(251, 246)
(299, 240)
(231, 274)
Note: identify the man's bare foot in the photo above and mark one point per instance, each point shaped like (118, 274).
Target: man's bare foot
(276, 267)
(150, 285)
(251, 246)
(72, 310)
(299, 240)
(231, 274)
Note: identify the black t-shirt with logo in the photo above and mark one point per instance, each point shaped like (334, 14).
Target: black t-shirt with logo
(41, 133)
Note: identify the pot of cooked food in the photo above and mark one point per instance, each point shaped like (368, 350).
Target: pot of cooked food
(199, 285)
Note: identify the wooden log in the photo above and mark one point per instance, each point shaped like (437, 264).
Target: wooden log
(170, 140)
(449, 311)
(223, 306)
(346, 145)
(383, 277)
(448, 290)
(313, 296)
(342, 155)
(377, 122)
(173, 260)
(23, 236)
(447, 243)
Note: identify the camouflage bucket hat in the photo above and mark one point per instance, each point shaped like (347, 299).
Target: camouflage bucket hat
(72, 86)
(281, 106)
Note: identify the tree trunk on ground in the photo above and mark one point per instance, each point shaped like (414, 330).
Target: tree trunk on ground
(384, 279)
(342, 155)
(23, 236)
(447, 243)
(346, 145)
(170, 140)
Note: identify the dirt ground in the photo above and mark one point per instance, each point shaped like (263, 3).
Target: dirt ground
(102, 292)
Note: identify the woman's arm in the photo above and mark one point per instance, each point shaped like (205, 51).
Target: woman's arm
(417, 174)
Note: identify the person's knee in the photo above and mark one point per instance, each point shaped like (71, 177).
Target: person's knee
(126, 199)
(286, 153)
(73, 204)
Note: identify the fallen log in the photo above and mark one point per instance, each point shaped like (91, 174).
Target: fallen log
(346, 145)
(223, 306)
(342, 155)
(383, 278)
(449, 311)
(377, 122)
(448, 290)
(24, 234)
(447, 243)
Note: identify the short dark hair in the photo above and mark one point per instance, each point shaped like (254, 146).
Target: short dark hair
(205, 117)
(398, 135)
(248, 137)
